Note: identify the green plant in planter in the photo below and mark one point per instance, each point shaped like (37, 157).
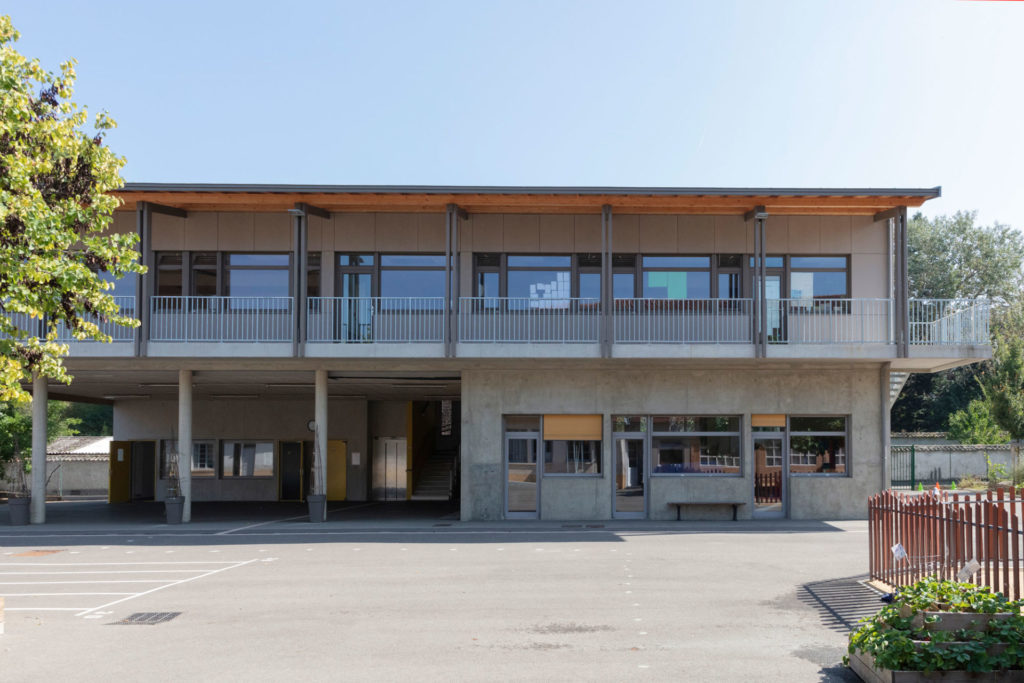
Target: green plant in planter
(901, 637)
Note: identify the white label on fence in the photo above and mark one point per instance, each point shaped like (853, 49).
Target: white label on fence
(968, 571)
(355, 458)
(898, 552)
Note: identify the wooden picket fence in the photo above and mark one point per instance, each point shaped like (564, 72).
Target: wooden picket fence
(943, 531)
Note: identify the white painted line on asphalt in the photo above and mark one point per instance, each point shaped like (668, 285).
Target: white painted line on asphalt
(176, 583)
(40, 595)
(65, 583)
(115, 571)
(42, 609)
(103, 564)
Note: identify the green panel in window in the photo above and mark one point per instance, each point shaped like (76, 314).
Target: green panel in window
(657, 279)
(676, 285)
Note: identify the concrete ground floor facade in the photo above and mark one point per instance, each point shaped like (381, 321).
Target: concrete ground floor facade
(585, 440)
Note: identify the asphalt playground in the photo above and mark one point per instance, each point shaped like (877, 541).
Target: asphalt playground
(408, 592)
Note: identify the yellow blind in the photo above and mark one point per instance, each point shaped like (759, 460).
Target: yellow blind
(767, 420)
(572, 427)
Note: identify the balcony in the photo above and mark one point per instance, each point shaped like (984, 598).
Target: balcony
(122, 338)
(221, 326)
(415, 327)
(375, 326)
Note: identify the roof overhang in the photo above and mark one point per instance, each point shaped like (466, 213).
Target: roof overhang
(431, 199)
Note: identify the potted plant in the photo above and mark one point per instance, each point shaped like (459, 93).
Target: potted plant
(174, 502)
(316, 499)
(19, 499)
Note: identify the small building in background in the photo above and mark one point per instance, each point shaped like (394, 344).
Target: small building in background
(78, 466)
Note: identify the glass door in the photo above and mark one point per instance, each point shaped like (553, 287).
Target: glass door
(769, 476)
(630, 478)
(522, 485)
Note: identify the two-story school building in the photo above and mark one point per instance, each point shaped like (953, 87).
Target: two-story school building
(533, 352)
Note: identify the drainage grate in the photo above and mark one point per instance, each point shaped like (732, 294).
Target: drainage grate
(146, 618)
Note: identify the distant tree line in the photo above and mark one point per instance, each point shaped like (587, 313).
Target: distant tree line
(951, 258)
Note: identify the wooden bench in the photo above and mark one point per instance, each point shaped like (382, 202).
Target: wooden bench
(679, 505)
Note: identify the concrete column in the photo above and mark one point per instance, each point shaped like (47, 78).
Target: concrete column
(39, 398)
(185, 441)
(320, 415)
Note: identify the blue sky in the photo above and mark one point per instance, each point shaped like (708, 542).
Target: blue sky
(756, 93)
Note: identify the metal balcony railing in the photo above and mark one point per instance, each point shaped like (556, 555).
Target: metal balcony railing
(829, 321)
(942, 322)
(517, 320)
(377, 319)
(117, 333)
(683, 321)
(221, 319)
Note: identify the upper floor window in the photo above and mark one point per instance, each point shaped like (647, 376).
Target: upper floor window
(394, 276)
(677, 277)
(538, 277)
(818, 277)
(223, 274)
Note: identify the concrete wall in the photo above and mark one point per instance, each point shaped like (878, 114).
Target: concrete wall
(488, 395)
(944, 464)
(262, 420)
(69, 476)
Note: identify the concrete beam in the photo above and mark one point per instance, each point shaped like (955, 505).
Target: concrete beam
(39, 399)
(185, 441)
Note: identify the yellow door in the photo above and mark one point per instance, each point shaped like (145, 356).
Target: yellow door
(120, 490)
(337, 461)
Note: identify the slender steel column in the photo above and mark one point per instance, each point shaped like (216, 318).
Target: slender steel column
(299, 277)
(144, 293)
(607, 290)
(185, 441)
(763, 258)
(39, 399)
(449, 220)
(904, 281)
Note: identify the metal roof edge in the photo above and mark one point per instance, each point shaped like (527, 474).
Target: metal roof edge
(929, 193)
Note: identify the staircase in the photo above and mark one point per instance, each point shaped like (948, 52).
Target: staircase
(436, 477)
(896, 382)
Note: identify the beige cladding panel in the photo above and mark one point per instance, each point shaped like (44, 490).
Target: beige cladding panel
(201, 231)
(867, 236)
(696, 234)
(235, 232)
(776, 230)
(431, 232)
(869, 276)
(123, 222)
(396, 232)
(556, 234)
(733, 235)
(487, 230)
(168, 233)
(805, 234)
(587, 232)
(521, 233)
(835, 235)
(658, 234)
(319, 235)
(272, 232)
(353, 232)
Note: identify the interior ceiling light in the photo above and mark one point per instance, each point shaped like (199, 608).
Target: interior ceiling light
(160, 385)
(418, 386)
(289, 385)
(118, 397)
(231, 396)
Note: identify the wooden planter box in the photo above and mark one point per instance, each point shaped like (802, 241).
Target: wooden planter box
(864, 664)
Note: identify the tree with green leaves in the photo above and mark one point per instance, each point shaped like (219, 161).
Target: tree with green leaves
(1002, 382)
(951, 257)
(56, 204)
(16, 429)
(975, 425)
